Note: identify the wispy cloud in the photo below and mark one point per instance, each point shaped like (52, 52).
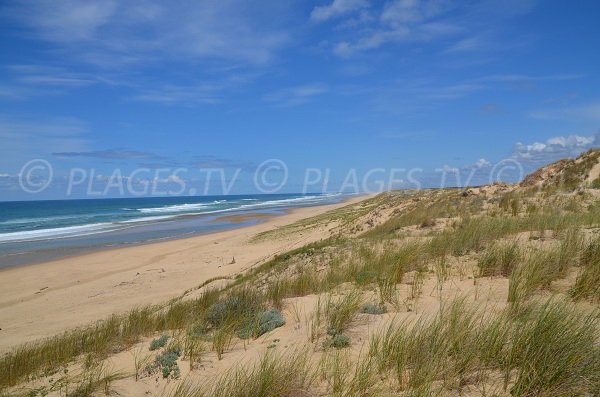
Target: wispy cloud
(215, 88)
(469, 26)
(408, 135)
(22, 127)
(336, 9)
(111, 154)
(294, 96)
(212, 162)
(397, 21)
(415, 96)
(24, 81)
(106, 32)
(447, 92)
(27, 137)
(51, 76)
(512, 78)
(589, 111)
(486, 41)
(468, 44)
(173, 94)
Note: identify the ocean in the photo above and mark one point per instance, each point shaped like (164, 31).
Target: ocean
(34, 231)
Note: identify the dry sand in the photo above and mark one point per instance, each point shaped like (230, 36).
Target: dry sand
(45, 299)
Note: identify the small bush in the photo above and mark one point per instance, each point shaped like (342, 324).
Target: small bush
(268, 321)
(218, 312)
(371, 308)
(159, 342)
(239, 307)
(166, 363)
(338, 341)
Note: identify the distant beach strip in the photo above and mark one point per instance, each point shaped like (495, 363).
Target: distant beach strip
(32, 231)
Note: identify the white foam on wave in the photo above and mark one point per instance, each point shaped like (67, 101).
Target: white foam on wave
(285, 202)
(57, 232)
(148, 219)
(173, 208)
(23, 221)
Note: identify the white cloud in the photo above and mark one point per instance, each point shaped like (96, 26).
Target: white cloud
(472, 25)
(337, 8)
(554, 148)
(399, 13)
(110, 33)
(68, 20)
(401, 20)
(447, 92)
(482, 163)
(171, 94)
(468, 44)
(31, 80)
(294, 96)
(572, 141)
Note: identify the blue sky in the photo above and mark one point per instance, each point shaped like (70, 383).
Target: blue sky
(339, 85)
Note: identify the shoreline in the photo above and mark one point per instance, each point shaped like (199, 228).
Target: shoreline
(227, 222)
(103, 234)
(46, 298)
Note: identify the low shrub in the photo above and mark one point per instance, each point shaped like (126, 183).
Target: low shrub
(370, 308)
(218, 312)
(268, 321)
(337, 341)
(239, 307)
(159, 342)
(166, 363)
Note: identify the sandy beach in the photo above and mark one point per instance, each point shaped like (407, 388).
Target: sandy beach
(45, 299)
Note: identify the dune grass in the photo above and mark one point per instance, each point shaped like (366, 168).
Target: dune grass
(274, 376)
(346, 377)
(556, 352)
(587, 285)
(549, 349)
(341, 311)
(499, 259)
(48, 356)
